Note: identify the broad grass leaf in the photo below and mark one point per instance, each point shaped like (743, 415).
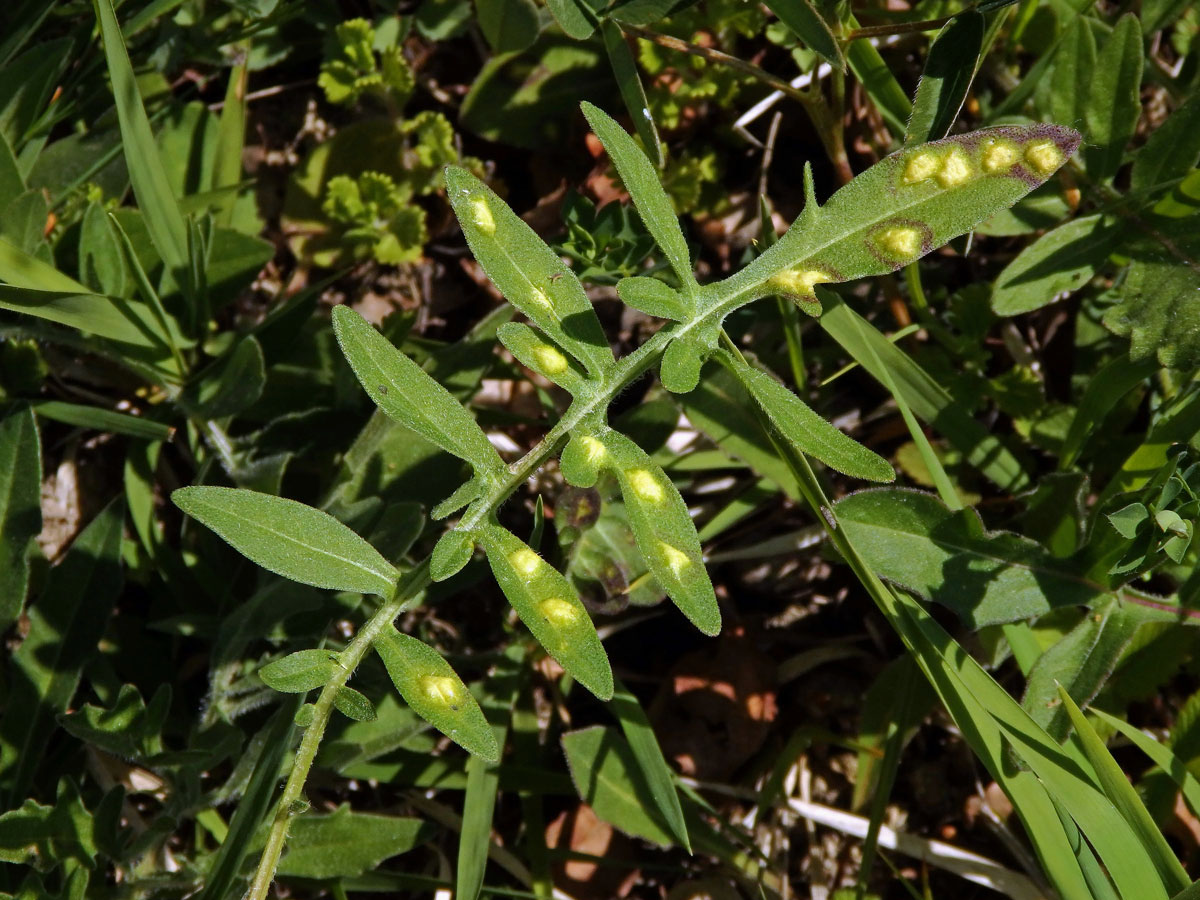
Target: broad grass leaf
(550, 608)
(803, 428)
(642, 181)
(928, 400)
(23, 270)
(609, 780)
(151, 186)
(912, 539)
(344, 843)
(1160, 755)
(653, 767)
(1114, 101)
(906, 206)
(290, 539)
(1123, 796)
(124, 321)
(949, 71)
(664, 531)
(995, 725)
(435, 692)
(404, 391)
(528, 273)
(20, 507)
(300, 672)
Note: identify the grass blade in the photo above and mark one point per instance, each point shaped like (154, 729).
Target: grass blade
(649, 758)
(151, 186)
(1122, 795)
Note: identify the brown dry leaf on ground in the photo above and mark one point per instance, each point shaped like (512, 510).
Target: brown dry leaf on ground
(582, 831)
(715, 709)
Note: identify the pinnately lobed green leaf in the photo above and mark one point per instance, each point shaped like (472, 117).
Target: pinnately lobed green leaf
(406, 393)
(290, 539)
(549, 606)
(435, 692)
(907, 205)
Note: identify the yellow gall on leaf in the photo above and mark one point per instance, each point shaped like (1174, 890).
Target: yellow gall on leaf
(481, 215)
(645, 485)
(594, 449)
(956, 168)
(675, 558)
(440, 689)
(526, 562)
(798, 282)
(899, 241)
(538, 298)
(1043, 156)
(559, 612)
(551, 361)
(922, 165)
(998, 156)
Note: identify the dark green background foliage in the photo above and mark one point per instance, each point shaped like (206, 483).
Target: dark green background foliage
(444, 441)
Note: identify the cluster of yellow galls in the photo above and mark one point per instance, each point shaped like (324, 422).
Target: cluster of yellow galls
(953, 167)
(556, 610)
(997, 156)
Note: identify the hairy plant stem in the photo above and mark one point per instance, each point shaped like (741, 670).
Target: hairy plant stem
(408, 589)
(823, 120)
(413, 583)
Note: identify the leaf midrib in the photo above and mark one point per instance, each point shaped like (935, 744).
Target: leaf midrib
(389, 578)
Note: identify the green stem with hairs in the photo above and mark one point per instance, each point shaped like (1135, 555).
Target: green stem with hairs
(412, 584)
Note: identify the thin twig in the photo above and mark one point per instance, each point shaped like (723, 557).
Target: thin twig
(871, 31)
